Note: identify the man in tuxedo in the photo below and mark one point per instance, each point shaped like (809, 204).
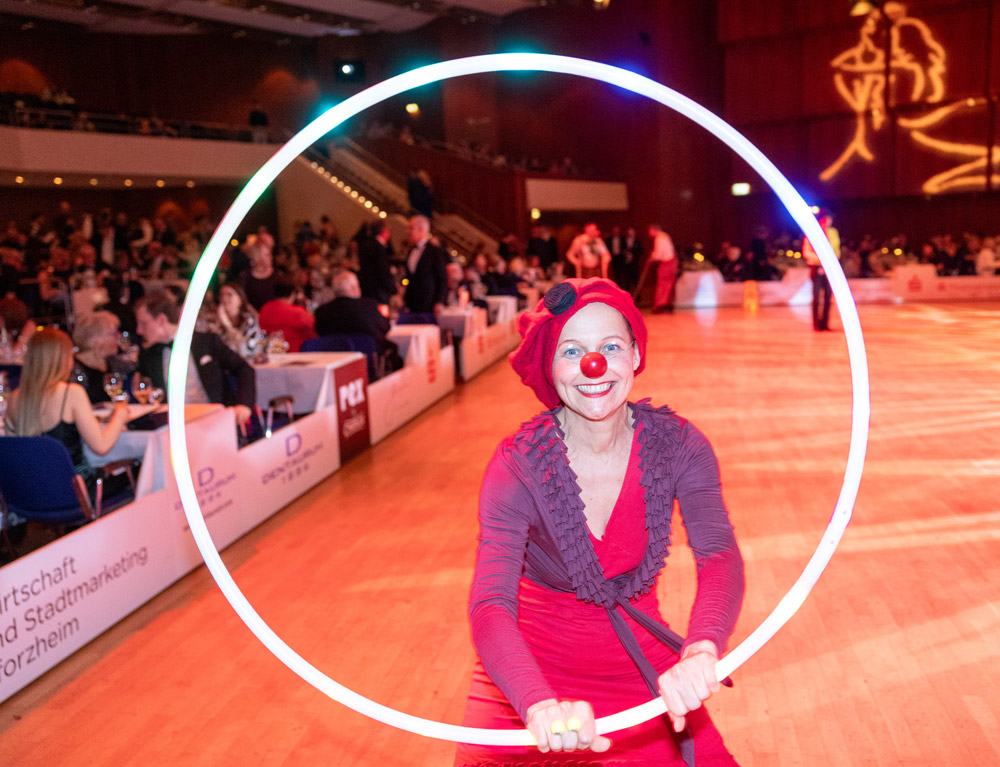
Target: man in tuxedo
(425, 270)
(157, 314)
(373, 258)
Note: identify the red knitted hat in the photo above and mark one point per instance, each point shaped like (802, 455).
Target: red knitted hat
(540, 328)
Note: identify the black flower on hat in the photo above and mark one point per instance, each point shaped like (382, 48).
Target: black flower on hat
(560, 298)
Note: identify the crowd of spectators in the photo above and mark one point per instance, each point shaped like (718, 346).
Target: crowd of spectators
(478, 152)
(768, 258)
(55, 109)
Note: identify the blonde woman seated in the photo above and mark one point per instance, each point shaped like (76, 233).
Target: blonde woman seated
(46, 405)
(96, 337)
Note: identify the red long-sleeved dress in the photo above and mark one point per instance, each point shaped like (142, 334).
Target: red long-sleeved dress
(558, 613)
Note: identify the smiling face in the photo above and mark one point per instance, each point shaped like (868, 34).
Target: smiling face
(595, 328)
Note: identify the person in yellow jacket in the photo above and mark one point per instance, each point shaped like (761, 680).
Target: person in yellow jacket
(821, 285)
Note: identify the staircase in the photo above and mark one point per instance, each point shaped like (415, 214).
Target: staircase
(460, 230)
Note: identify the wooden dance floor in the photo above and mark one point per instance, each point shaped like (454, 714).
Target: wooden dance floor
(894, 659)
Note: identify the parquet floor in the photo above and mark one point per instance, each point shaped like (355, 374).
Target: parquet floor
(894, 659)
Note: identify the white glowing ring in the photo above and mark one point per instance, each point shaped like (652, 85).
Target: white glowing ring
(506, 62)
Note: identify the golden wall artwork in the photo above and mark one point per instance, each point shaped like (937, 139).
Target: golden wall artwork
(897, 47)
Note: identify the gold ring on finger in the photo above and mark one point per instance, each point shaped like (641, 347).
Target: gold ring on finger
(558, 727)
(573, 724)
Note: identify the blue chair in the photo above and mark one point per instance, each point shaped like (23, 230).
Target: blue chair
(417, 318)
(334, 342)
(38, 482)
(349, 342)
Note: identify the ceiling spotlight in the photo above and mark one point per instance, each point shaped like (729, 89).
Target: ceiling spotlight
(600, 5)
(190, 185)
(57, 180)
(863, 7)
(128, 182)
(159, 183)
(18, 179)
(93, 182)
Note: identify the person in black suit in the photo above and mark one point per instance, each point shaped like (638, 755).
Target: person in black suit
(373, 258)
(350, 312)
(425, 270)
(156, 315)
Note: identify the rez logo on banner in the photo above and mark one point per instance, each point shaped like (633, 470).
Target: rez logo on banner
(352, 395)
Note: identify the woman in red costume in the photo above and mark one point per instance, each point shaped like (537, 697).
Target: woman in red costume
(575, 516)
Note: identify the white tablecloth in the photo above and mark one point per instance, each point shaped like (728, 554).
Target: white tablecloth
(153, 446)
(416, 342)
(463, 322)
(307, 376)
(502, 308)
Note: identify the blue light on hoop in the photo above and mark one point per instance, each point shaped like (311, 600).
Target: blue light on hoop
(510, 62)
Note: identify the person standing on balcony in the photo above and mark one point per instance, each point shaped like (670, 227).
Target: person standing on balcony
(420, 192)
(259, 124)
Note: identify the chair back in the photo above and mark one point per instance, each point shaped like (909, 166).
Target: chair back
(347, 342)
(38, 481)
(335, 342)
(417, 318)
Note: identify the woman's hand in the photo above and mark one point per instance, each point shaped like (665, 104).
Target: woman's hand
(223, 317)
(690, 682)
(566, 725)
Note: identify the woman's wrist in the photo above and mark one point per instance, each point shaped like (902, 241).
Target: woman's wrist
(704, 646)
(535, 707)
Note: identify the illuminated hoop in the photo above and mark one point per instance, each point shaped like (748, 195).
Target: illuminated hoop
(507, 62)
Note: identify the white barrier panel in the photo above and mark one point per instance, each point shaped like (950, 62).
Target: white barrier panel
(908, 283)
(483, 349)
(707, 289)
(920, 282)
(58, 598)
(296, 457)
(395, 399)
(215, 473)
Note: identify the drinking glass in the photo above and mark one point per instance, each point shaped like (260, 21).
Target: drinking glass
(142, 386)
(114, 387)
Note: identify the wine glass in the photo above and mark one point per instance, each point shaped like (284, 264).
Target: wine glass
(155, 395)
(142, 387)
(114, 387)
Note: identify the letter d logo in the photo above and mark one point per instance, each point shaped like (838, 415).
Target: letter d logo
(293, 444)
(205, 476)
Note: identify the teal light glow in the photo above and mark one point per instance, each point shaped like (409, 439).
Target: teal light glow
(513, 62)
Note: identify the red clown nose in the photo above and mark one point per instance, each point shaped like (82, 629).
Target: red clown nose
(593, 365)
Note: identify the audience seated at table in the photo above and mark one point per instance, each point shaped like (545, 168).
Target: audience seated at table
(282, 315)
(96, 336)
(45, 404)
(350, 312)
(233, 319)
(210, 362)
